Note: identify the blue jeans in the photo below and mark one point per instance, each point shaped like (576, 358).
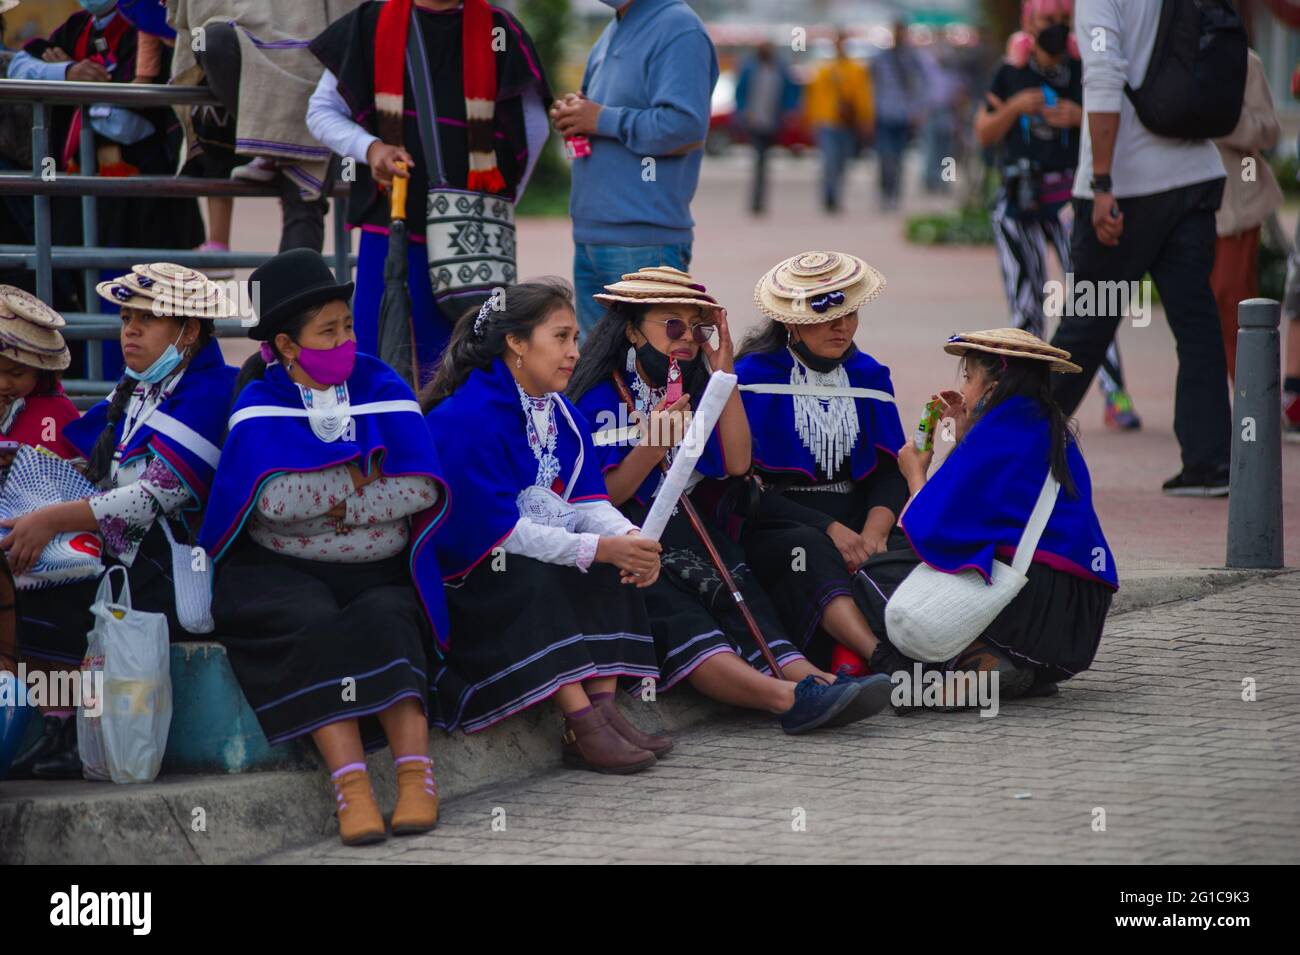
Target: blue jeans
(595, 266)
(891, 141)
(837, 146)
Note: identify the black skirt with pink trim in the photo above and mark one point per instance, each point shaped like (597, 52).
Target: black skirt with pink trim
(314, 643)
(522, 628)
(693, 616)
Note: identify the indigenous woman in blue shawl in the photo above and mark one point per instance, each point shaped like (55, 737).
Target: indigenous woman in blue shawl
(655, 340)
(826, 437)
(543, 575)
(152, 449)
(974, 508)
(328, 594)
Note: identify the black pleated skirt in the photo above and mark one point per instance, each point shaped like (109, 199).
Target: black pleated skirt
(522, 628)
(801, 567)
(53, 622)
(314, 643)
(693, 616)
(1054, 624)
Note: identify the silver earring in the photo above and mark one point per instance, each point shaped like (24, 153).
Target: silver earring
(631, 359)
(519, 361)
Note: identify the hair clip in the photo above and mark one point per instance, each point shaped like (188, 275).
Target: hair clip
(823, 302)
(481, 319)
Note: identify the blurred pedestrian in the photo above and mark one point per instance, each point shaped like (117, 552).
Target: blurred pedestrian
(644, 111)
(766, 93)
(1038, 150)
(900, 76)
(839, 109)
(1250, 195)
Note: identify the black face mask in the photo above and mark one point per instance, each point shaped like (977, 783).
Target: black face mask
(1054, 39)
(816, 362)
(695, 373)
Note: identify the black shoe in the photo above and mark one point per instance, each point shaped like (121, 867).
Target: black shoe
(65, 762)
(877, 688)
(47, 745)
(1206, 483)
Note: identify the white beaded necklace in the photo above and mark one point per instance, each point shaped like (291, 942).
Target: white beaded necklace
(828, 427)
(334, 401)
(539, 419)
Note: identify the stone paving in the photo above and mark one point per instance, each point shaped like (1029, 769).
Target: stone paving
(1157, 735)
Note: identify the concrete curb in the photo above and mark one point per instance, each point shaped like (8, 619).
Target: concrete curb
(251, 815)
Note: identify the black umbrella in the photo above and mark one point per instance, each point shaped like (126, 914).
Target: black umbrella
(395, 333)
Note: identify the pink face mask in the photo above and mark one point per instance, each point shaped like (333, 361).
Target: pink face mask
(329, 366)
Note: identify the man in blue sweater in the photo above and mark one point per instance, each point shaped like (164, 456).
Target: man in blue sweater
(644, 106)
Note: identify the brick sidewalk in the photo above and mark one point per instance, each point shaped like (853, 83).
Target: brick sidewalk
(1156, 734)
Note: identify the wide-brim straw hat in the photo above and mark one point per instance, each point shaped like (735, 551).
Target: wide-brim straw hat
(659, 285)
(29, 331)
(1014, 343)
(165, 288)
(815, 287)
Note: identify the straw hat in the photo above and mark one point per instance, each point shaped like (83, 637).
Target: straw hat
(660, 285)
(29, 331)
(1015, 342)
(168, 289)
(815, 287)
(7, 5)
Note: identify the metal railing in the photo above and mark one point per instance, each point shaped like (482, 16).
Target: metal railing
(43, 257)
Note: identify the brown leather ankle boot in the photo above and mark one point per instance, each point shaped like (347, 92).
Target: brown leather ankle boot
(589, 742)
(661, 746)
(417, 798)
(360, 823)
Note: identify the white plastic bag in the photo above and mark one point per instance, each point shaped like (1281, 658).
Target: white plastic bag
(126, 740)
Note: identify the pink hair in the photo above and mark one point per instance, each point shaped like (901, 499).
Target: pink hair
(1021, 43)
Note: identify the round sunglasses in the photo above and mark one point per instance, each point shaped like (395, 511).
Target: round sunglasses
(676, 329)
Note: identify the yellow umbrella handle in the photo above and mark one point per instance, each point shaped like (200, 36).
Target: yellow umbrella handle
(397, 204)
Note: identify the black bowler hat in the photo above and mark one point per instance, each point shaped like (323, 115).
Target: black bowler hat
(289, 283)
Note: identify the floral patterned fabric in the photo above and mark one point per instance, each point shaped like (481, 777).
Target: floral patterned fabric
(143, 490)
(293, 515)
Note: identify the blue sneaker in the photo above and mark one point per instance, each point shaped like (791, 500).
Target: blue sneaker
(877, 691)
(816, 703)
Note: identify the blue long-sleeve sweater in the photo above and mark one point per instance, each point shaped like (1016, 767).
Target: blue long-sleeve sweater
(653, 72)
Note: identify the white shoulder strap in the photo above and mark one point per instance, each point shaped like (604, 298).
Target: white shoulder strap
(819, 392)
(1037, 523)
(280, 411)
(577, 464)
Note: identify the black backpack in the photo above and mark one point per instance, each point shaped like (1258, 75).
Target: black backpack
(1196, 81)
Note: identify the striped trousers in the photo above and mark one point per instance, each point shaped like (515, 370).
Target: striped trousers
(1022, 255)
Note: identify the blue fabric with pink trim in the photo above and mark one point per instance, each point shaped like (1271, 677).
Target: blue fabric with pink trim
(604, 410)
(199, 403)
(777, 446)
(976, 504)
(480, 433)
(262, 447)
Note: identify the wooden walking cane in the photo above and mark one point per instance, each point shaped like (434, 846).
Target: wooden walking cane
(703, 533)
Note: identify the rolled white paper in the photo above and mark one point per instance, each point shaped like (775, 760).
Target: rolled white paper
(703, 421)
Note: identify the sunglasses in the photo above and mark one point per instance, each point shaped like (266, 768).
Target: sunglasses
(676, 329)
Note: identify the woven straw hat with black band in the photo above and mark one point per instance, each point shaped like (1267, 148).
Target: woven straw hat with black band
(29, 331)
(660, 285)
(165, 288)
(1014, 343)
(815, 287)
